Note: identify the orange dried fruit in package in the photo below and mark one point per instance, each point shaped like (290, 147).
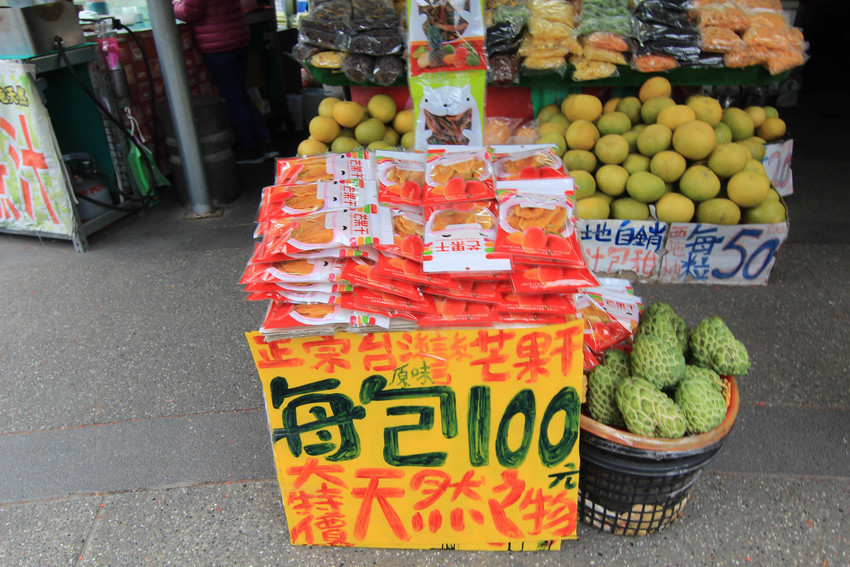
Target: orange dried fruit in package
(716, 39)
(723, 14)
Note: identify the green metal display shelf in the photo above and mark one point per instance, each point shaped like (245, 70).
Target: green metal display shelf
(626, 77)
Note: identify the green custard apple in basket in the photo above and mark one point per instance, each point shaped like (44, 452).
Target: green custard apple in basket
(654, 418)
(672, 382)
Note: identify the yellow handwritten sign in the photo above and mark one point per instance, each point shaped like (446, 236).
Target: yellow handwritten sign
(457, 438)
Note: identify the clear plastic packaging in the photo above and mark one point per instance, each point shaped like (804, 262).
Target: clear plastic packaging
(650, 63)
(720, 40)
(723, 14)
(781, 60)
(504, 69)
(503, 37)
(590, 53)
(327, 59)
(589, 70)
(359, 68)
(553, 11)
(377, 42)
(388, 69)
(538, 63)
(746, 57)
(606, 40)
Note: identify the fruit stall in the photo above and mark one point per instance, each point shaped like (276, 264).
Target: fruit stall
(469, 239)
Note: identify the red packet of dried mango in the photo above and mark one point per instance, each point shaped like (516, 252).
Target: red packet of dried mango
(526, 278)
(537, 220)
(365, 298)
(468, 290)
(261, 292)
(360, 272)
(408, 228)
(298, 319)
(460, 238)
(459, 313)
(290, 200)
(457, 173)
(401, 177)
(405, 269)
(558, 303)
(324, 167)
(601, 330)
(328, 229)
(534, 161)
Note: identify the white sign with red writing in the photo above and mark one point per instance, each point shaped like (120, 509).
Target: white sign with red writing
(34, 189)
(741, 254)
(777, 164)
(612, 246)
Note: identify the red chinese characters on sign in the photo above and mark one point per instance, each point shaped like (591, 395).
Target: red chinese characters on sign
(319, 511)
(277, 354)
(515, 508)
(27, 162)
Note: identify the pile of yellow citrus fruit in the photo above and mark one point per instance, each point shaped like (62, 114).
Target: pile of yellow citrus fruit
(693, 160)
(345, 125)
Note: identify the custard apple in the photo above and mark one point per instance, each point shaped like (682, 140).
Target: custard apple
(657, 361)
(601, 405)
(701, 402)
(694, 371)
(714, 346)
(661, 320)
(618, 361)
(648, 411)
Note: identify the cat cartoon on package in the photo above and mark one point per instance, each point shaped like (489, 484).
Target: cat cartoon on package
(448, 115)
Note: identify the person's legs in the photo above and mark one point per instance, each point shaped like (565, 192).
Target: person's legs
(228, 70)
(258, 123)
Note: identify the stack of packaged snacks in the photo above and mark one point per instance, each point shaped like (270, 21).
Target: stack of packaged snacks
(666, 38)
(505, 21)
(550, 38)
(749, 32)
(454, 236)
(604, 30)
(363, 39)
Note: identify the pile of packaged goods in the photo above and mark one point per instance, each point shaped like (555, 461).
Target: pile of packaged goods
(364, 39)
(455, 236)
(587, 39)
(749, 32)
(595, 38)
(505, 21)
(659, 154)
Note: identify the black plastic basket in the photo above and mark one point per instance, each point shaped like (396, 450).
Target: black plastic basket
(633, 485)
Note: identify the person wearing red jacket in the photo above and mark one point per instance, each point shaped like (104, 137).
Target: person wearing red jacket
(222, 35)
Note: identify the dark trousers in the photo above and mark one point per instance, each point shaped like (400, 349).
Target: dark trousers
(229, 70)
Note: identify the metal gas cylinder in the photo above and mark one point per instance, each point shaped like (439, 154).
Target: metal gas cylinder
(90, 188)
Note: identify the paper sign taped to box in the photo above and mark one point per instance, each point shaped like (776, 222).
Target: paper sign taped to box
(615, 246)
(453, 439)
(741, 254)
(777, 165)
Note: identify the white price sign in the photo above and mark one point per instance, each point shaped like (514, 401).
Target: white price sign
(741, 254)
(777, 164)
(611, 246)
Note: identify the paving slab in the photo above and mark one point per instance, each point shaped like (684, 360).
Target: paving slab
(135, 454)
(49, 532)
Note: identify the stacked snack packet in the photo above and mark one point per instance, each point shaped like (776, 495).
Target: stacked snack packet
(454, 236)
